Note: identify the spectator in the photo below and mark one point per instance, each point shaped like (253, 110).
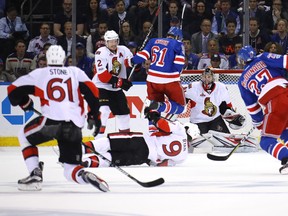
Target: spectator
(126, 34)
(132, 46)
(109, 6)
(141, 75)
(96, 40)
(199, 40)
(19, 63)
(257, 38)
(213, 48)
(37, 43)
(227, 41)
(84, 62)
(143, 33)
(192, 59)
(41, 55)
(173, 12)
(11, 29)
(281, 36)
(66, 40)
(233, 63)
(93, 16)
(220, 18)
(42, 62)
(192, 20)
(273, 47)
(148, 14)
(119, 16)
(66, 15)
(277, 12)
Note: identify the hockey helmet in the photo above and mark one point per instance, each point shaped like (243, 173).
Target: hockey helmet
(192, 130)
(176, 32)
(111, 35)
(246, 54)
(55, 55)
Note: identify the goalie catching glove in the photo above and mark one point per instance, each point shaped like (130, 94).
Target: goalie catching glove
(124, 84)
(235, 120)
(94, 120)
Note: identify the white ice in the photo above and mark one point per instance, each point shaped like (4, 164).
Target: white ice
(246, 184)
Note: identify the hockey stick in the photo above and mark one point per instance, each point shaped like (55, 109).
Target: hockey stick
(143, 184)
(182, 15)
(225, 157)
(147, 36)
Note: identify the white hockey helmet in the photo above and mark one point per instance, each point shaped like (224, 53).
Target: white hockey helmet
(192, 130)
(110, 35)
(55, 55)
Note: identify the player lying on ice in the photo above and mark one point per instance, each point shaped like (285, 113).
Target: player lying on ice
(212, 111)
(165, 146)
(264, 90)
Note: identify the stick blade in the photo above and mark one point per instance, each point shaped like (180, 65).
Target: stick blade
(154, 183)
(217, 157)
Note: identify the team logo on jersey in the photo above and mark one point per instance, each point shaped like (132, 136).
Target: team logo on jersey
(116, 67)
(209, 108)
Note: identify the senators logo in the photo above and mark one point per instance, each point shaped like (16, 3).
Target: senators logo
(209, 108)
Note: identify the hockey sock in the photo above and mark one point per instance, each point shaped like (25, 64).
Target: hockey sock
(275, 148)
(171, 107)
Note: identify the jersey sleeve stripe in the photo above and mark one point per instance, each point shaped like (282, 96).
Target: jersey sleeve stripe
(143, 54)
(254, 108)
(105, 76)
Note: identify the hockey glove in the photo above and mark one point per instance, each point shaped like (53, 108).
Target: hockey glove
(124, 84)
(152, 115)
(94, 120)
(27, 104)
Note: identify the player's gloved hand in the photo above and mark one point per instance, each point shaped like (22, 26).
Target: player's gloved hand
(94, 120)
(27, 104)
(124, 84)
(258, 125)
(152, 115)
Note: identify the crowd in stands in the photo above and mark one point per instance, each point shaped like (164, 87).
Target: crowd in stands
(212, 31)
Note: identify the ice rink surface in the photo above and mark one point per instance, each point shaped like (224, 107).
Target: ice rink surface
(246, 184)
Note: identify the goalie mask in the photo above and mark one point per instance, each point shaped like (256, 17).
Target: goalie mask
(208, 79)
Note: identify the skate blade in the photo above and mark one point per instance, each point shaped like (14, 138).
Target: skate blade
(36, 186)
(284, 169)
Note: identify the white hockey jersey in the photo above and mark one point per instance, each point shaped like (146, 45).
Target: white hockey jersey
(58, 90)
(104, 60)
(205, 106)
(172, 147)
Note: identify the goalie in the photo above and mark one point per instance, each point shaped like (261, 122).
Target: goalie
(211, 107)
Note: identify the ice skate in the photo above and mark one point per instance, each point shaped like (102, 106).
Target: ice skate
(34, 181)
(284, 169)
(97, 182)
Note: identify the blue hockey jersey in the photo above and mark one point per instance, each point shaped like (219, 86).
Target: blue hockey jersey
(259, 79)
(167, 59)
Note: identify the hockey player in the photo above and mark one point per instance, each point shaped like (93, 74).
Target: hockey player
(210, 105)
(264, 90)
(167, 61)
(111, 80)
(59, 89)
(165, 146)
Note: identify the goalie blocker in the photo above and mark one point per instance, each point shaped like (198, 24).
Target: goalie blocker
(235, 120)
